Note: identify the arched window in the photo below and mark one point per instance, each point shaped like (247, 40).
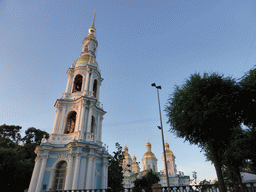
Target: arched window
(93, 125)
(71, 122)
(78, 83)
(60, 175)
(95, 88)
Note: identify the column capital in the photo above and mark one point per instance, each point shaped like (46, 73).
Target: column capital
(45, 156)
(71, 154)
(60, 108)
(91, 156)
(38, 158)
(78, 154)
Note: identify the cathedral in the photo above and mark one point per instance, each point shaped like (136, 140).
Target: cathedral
(132, 171)
(74, 156)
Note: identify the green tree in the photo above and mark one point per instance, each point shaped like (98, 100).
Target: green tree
(248, 95)
(11, 131)
(115, 170)
(205, 182)
(204, 111)
(17, 156)
(146, 181)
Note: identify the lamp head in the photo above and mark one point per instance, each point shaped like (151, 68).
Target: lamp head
(153, 84)
(159, 127)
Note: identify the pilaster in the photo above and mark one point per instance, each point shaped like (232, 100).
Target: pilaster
(76, 171)
(89, 171)
(41, 174)
(69, 176)
(104, 178)
(33, 182)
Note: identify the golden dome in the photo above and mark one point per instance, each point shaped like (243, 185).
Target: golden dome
(149, 155)
(125, 148)
(148, 144)
(135, 164)
(134, 158)
(168, 152)
(126, 155)
(90, 36)
(166, 145)
(86, 59)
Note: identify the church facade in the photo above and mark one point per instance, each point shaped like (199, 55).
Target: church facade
(149, 161)
(74, 156)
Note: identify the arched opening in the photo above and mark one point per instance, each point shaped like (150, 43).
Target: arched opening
(95, 88)
(71, 122)
(78, 83)
(60, 175)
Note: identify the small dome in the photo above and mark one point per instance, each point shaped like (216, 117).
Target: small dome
(149, 155)
(135, 164)
(134, 158)
(126, 155)
(125, 148)
(90, 36)
(168, 152)
(166, 145)
(148, 144)
(86, 59)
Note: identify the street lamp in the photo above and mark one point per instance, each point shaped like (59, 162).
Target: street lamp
(166, 170)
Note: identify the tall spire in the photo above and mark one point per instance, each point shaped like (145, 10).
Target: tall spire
(92, 29)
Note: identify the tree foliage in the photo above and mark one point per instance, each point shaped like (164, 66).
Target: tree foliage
(115, 170)
(17, 156)
(248, 94)
(146, 181)
(204, 111)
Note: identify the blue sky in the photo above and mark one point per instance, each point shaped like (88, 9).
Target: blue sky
(140, 42)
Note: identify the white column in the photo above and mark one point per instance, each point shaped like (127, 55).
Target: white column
(89, 120)
(91, 83)
(86, 81)
(93, 175)
(41, 174)
(104, 179)
(71, 84)
(54, 129)
(100, 129)
(98, 91)
(70, 78)
(89, 172)
(61, 121)
(33, 182)
(82, 174)
(78, 119)
(76, 172)
(69, 173)
(51, 181)
(82, 118)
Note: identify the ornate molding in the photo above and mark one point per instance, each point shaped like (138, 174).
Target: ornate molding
(44, 156)
(71, 154)
(91, 156)
(78, 154)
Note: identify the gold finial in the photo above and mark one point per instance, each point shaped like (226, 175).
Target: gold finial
(165, 139)
(148, 139)
(133, 153)
(125, 142)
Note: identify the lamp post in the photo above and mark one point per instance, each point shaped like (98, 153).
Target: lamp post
(166, 169)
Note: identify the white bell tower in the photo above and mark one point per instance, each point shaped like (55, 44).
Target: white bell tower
(74, 157)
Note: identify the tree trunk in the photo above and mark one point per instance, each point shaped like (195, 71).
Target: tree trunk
(239, 178)
(217, 166)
